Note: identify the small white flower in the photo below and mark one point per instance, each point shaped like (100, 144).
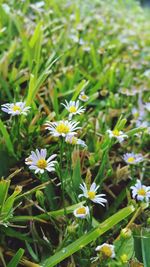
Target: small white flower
(86, 48)
(73, 140)
(147, 73)
(37, 161)
(141, 123)
(132, 158)
(62, 128)
(107, 250)
(17, 108)
(73, 108)
(81, 212)
(141, 192)
(135, 113)
(119, 135)
(147, 106)
(138, 114)
(91, 194)
(74, 38)
(83, 97)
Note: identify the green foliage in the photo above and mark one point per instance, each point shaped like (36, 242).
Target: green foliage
(6, 201)
(51, 52)
(16, 258)
(89, 237)
(141, 242)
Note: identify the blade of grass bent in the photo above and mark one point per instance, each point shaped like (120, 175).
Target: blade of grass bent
(89, 237)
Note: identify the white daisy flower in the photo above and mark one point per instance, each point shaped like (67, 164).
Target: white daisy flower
(146, 73)
(147, 106)
(107, 250)
(91, 194)
(62, 128)
(73, 108)
(17, 108)
(132, 158)
(73, 140)
(119, 135)
(83, 97)
(81, 212)
(135, 113)
(37, 161)
(141, 192)
(141, 123)
(138, 113)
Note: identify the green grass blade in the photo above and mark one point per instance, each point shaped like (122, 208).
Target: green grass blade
(16, 259)
(89, 237)
(145, 244)
(7, 138)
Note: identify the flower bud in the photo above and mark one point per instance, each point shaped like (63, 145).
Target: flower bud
(72, 228)
(40, 197)
(125, 233)
(124, 258)
(18, 189)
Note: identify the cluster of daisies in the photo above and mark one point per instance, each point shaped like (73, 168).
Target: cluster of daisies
(39, 161)
(139, 191)
(141, 114)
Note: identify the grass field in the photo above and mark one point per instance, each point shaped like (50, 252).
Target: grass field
(74, 133)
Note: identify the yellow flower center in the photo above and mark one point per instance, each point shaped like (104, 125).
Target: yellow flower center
(16, 108)
(124, 258)
(72, 109)
(74, 141)
(91, 194)
(42, 163)
(131, 159)
(116, 132)
(136, 114)
(141, 192)
(106, 250)
(62, 128)
(84, 97)
(81, 210)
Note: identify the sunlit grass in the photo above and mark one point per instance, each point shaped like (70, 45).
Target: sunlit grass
(74, 133)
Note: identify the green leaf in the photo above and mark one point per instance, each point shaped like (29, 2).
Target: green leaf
(145, 244)
(120, 124)
(88, 238)
(35, 36)
(32, 253)
(4, 185)
(46, 216)
(16, 259)
(100, 175)
(30, 90)
(35, 84)
(8, 205)
(8, 231)
(76, 177)
(124, 246)
(7, 138)
(136, 130)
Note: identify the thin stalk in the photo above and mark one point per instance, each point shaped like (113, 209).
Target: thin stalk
(136, 214)
(61, 174)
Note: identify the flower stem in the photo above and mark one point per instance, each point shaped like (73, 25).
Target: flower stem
(61, 175)
(138, 211)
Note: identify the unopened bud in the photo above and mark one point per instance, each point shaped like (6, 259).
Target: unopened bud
(18, 189)
(40, 197)
(72, 228)
(124, 258)
(125, 233)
